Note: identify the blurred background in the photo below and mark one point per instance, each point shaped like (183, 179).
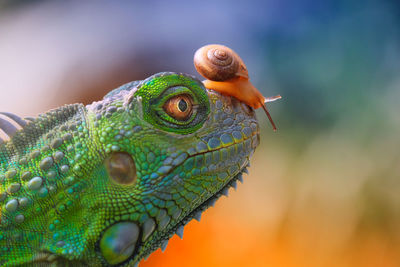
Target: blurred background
(322, 191)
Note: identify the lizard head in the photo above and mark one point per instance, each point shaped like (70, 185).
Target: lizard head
(171, 148)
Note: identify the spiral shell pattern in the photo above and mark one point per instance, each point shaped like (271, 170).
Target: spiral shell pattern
(217, 62)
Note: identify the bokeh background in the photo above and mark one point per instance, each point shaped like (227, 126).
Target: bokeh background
(324, 190)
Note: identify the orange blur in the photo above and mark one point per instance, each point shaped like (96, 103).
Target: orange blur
(217, 241)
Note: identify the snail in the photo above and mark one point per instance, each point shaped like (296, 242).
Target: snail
(226, 73)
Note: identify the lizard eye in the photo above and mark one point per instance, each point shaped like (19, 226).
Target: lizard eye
(173, 102)
(179, 107)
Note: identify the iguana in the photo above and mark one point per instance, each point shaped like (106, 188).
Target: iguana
(108, 183)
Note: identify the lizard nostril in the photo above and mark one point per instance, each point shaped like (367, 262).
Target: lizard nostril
(121, 168)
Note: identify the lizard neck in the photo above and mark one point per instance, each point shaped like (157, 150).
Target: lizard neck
(43, 170)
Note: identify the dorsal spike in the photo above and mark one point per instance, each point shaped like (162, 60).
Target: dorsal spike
(164, 245)
(45, 122)
(21, 122)
(7, 127)
(29, 119)
(179, 231)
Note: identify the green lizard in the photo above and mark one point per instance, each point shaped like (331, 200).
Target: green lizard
(110, 182)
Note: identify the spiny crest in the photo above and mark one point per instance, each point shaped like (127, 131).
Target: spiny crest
(8, 127)
(22, 133)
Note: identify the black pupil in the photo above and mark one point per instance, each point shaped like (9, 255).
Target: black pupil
(182, 105)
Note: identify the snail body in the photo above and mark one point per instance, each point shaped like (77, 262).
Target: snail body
(226, 73)
(247, 93)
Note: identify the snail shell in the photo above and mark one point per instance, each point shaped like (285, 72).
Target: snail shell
(219, 63)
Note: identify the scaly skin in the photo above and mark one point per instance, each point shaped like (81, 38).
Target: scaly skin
(70, 195)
